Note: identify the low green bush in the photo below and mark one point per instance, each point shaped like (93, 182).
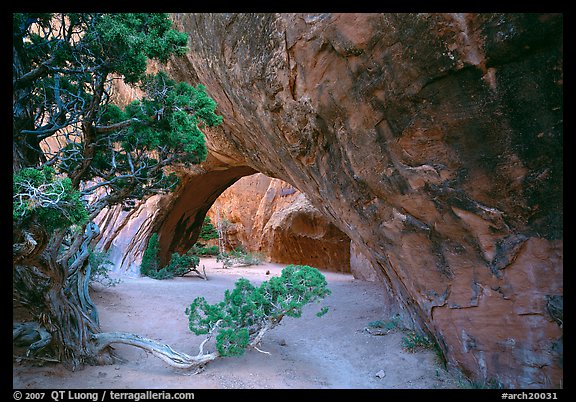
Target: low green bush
(247, 311)
(100, 266)
(203, 250)
(208, 231)
(150, 261)
(179, 265)
(412, 342)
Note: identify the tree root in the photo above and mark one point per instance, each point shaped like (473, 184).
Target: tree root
(261, 351)
(198, 273)
(32, 335)
(35, 359)
(37, 337)
(165, 352)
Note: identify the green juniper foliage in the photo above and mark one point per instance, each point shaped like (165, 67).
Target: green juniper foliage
(247, 310)
(392, 324)
(38, 195)
(202, 250)
(238, 256)
(413, 341)
(179, 265)
(208, 231)
(150, 258)
(100, 266)
(132, 38)
(76, 153)
(64, 69)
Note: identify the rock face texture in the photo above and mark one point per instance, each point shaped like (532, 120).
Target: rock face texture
(271, 217)
(360, 265)
(433, 141)
(124, 233)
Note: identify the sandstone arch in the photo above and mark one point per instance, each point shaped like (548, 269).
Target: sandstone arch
(180, 227)
(433, 141)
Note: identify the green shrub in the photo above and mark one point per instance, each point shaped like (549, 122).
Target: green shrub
(179, 265)
(412, 342)
(225, 258)
(208, 231)
(248, 259)
(391, 324)
(150, 261)
(161, 274)
(239, 257)
(202, 250)
(247, 311)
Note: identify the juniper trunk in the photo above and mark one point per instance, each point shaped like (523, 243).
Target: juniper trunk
(54, 289)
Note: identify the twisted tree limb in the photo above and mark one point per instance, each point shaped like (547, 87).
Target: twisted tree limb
(160, 350)
(30, 334)
(165, 352)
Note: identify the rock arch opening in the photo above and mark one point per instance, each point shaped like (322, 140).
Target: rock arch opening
(179, 226)
(270, 217)
(263, 215)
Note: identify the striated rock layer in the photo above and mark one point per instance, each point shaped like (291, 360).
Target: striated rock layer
(271, 217)
(433, 141)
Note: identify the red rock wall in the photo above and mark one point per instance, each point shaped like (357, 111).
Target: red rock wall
(433, 141)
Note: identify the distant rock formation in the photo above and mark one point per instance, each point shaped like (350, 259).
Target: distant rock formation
(271, 217)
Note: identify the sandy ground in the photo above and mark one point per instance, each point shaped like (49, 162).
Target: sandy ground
(333, 351)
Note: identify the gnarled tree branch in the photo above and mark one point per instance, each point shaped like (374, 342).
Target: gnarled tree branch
(160, 350)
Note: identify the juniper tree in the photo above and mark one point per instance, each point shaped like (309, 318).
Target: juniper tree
(241, 319)
(150, 261)
(208, 231)
(248, 312)
(76, 153)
